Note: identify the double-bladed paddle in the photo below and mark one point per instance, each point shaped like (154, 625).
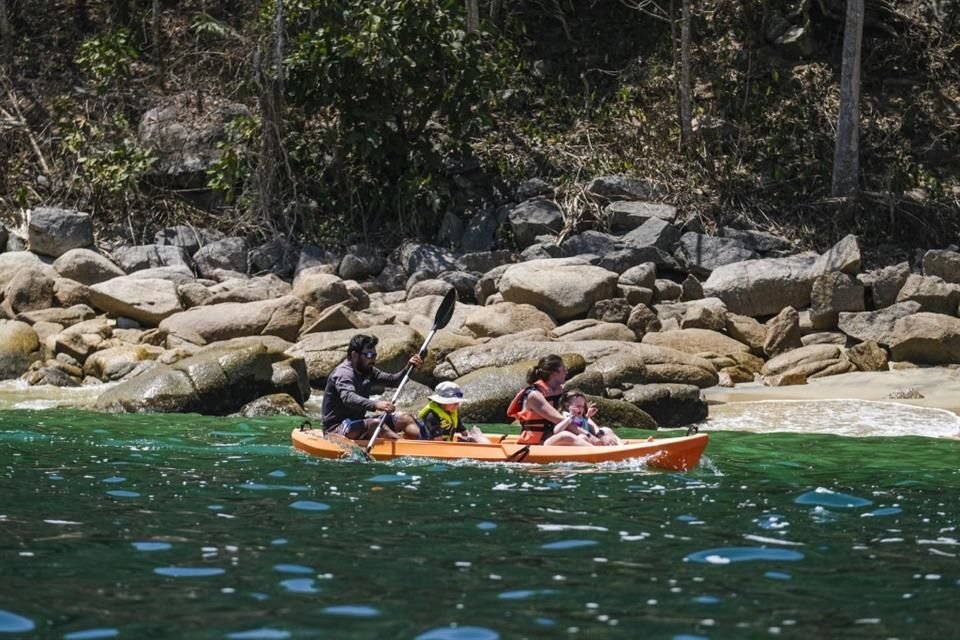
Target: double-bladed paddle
(440, 320)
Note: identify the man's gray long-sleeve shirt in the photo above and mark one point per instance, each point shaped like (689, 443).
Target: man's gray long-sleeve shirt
(347, 393)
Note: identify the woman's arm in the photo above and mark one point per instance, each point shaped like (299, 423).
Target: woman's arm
(539, 405)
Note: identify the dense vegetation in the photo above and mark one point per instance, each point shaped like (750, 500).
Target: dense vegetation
(373, 119)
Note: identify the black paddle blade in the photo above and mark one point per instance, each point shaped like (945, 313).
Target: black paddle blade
(445, 310)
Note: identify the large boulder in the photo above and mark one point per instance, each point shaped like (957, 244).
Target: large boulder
(926, 338)
(151, 256)
(533, 218)
(700, 254)
(86, 266)
(564, 288)
(878, 326)
(30, 289)
(281, 317)
(52, 232)
(591, 329)
(695, 341)
(146, 300)
(942, 263)
(671, 405)
(13, 261)
(19, 348)
(763, 287)
(217, 380)
(183, 133)
(506, 318)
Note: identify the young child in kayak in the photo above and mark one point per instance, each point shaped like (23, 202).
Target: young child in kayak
(440, 419)
(581, 412)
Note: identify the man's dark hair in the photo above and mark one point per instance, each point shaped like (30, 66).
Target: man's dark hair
(361, 342)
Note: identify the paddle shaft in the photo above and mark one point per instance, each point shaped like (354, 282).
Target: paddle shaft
(396, 394)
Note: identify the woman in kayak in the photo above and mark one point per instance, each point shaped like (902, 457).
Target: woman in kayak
(581, 412)
(537, 407)
(440, 419)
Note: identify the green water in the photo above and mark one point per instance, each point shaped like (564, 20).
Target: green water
(190, 527)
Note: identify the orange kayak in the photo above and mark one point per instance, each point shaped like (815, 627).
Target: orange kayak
(674, 454)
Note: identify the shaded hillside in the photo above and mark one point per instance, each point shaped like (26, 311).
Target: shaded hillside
(389, 117)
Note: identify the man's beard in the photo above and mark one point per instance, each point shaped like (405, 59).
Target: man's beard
(364, 367)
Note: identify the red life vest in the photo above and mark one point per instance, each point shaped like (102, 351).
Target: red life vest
(534, 427)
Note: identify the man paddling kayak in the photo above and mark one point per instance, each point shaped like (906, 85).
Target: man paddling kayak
(346, 397)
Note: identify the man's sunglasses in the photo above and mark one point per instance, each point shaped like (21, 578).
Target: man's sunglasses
(369, 355)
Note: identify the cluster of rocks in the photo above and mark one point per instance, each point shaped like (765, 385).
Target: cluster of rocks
(645, 316)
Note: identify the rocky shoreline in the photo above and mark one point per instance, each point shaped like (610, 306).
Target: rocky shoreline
(647, 317)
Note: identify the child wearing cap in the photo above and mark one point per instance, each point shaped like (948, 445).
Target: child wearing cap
(441, 417)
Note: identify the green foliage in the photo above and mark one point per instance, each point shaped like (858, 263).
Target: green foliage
(229, 173)
(108, 163)
(106, 59)
(395, 87)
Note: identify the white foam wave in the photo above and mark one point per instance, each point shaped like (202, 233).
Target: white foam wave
(842, 417)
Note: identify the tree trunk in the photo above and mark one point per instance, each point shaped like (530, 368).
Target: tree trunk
(121, 12)
(270, 158)
(846, 156)
(686, 89)
(6, 41)
(496, 9)
(473, 16)
(81, 16)
(155, 32)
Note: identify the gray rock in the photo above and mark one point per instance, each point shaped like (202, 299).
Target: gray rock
(229, 254)
(52, 232)
(641, 275)
(146, 300)
(217, 380)
(281, 317)
(428, 258)
(700, 254)
(628, 215)
(484, 261)
(275, 404)
(671, 405)
(533, 188)
(188, 238)
(183, 133)
(944, 264)
(653, 233)
(86, 266)
(877, 326)
(932, 293)
(563, 288)
(884, 284)
(535, 217)
(926, 338)
(759, 241)
(620, 187)
(150, 256)
(832, 293)
(783, 333)
(19, 348)
(480, 232)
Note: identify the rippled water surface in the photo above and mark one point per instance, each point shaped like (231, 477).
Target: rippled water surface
(190, 527)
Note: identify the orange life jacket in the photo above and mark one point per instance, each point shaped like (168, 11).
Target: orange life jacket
(534, 427)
